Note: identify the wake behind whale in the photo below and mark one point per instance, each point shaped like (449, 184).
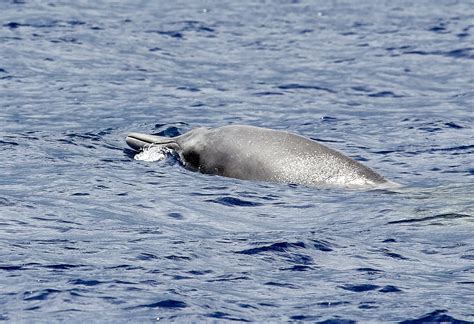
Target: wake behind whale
(254, 153)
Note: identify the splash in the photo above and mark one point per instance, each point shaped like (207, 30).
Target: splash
(152, 153)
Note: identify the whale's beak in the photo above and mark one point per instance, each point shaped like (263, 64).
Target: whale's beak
(138, 141)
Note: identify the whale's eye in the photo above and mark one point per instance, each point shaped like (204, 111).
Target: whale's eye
(192, 158)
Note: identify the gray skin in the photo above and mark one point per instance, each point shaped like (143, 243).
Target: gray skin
(254, 153)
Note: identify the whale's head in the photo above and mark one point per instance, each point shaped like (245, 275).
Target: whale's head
(189, 147)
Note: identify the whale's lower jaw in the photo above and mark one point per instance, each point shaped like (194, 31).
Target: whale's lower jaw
(138, 141)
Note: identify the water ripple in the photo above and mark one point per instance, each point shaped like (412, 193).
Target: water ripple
(88, 232)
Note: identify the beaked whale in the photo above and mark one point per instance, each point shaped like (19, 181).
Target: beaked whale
(255, 153)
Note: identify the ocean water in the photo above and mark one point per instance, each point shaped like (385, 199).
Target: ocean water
(88, 233)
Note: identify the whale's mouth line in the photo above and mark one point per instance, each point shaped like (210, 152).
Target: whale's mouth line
(138, 141)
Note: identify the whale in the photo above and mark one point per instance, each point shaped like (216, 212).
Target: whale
(262, 154)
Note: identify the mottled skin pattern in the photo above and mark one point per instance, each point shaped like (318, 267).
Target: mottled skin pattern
(254, 153)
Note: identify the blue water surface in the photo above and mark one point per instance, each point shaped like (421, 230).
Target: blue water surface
(88, 234)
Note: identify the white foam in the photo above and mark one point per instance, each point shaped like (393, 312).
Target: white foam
(152, 153)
